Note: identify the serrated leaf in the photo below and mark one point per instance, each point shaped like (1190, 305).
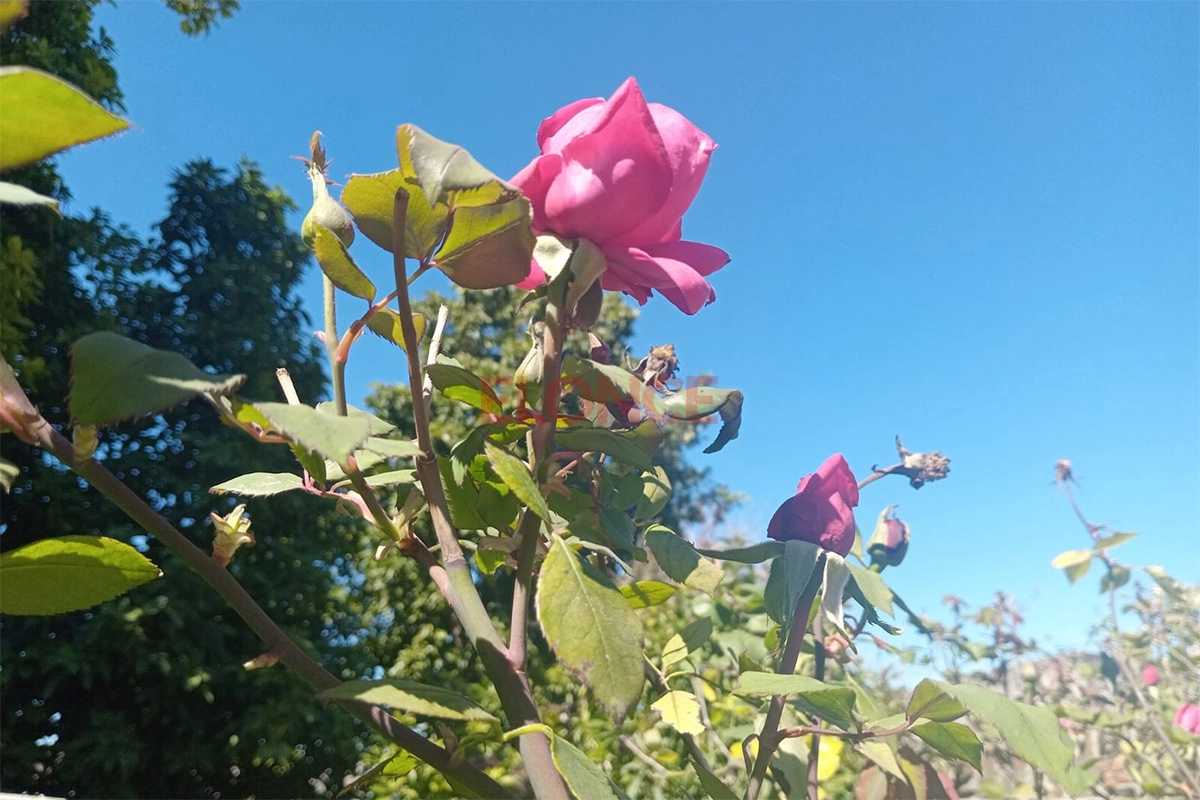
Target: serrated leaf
(680, 710)
(385, 323)
(379, 427)
(644, 594)
(604, 383)
(952, 740)
(329, 436)
(591, 628)
(789, 576)
(600, 440)
(930, 701)
(259, 484)
(17, 195)
(489, 246)
(873, 588)
(460, 384)
(71, 573)
(872, 614)
(879, 752)
(754, 554)
(392, 478)
(41, 115)
(687, 641)
(462, 496)
(1032, 733)
(656, 492)
(114, 379)
(584, 777)
(370, 200)
(405, 695)
(1113, 540)
(516, 476)
(713, 786)
(832, 703)
(338, 266)
(680, 561)
(392, 448)
(1075, 563)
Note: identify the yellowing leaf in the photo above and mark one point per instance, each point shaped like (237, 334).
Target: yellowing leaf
(681, 711)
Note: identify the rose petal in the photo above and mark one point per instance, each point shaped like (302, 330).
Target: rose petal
(676, 269)
(572, 118)
(836, 473)
(534, 182)
(536, 277)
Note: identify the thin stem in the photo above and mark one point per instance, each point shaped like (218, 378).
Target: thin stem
(660, 683)
(435, 347)
(528, 536)
(235, 595)
(655, 767)
(814, 746)
(331, 346)
(512, 686)
(879, 473)
(768, 738)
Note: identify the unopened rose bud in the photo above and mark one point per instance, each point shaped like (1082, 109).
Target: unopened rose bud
(233, 531)
(267, 659)
(922, 468)
(325, 211)
(528, 377)
(889, 543)
(1150, 675)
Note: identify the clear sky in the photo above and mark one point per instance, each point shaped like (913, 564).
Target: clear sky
(972, 224)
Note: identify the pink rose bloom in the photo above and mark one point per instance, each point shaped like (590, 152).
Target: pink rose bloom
(1149, 675)
(620, 173)
(1188, 718)
(821, 511)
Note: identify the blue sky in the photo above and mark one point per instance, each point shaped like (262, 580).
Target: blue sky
(971, 224)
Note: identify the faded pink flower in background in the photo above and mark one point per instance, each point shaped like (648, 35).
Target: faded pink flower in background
(1188, 718)
(821, 511)
(1149, 675)
(621, 173)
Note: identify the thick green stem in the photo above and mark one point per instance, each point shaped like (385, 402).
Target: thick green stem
(338, 368)
(814, 745)
(768, 738)
(255, 617)
(516, 696)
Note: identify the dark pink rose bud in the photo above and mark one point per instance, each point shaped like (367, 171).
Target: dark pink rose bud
(889, 542)
(1188, 718)
(821, 511)
(1150, 675)
(621, 173)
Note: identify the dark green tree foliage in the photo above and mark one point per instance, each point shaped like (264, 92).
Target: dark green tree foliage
(146, 695)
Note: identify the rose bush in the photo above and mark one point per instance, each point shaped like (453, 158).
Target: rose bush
(621, 173)
(822, 510)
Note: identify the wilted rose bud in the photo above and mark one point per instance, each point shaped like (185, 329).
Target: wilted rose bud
(325, 211)
(233, 531)
(922, 468)
(267, 659)
(600, 352)
(658, 367)
(889, 543)
(1188, 718)
(837, 647)
(1150, 675)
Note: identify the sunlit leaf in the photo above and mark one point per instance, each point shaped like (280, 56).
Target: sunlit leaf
(114, 379)
(644, 594)
(1112, 540)
(330, 436)
(338, 266)
(259, 484)
(585, 778)
(370, 200)
(1075, 563)
(460, 384)
(385, 323)
(379, 427)
(883, 755)
(680, 561)
(931, 702)
(691, 638)
(405, 695)
(952, 740)
(832, 703)
(873, 588)
(680, 710)
(71, 573)
(789, 576)
(18, 195)
(517, 477)
(600, 440)
(591, 628)
(41, 115)
(754, 554)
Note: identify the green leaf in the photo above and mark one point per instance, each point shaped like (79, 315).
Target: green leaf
(11, 11)
(338, 266)
(447, 173)
(698, 402)
(488, 247)
(754, 554)
(392, 478)
(18, 195)
(873, 588)
(931, 702)
(401, 764)
(332, 437)
(259, 484)
(385, 323)
(604, 383)
(601, 440)
(584, 777)
(883, 755)
(460, 384)
(591, 628)
(872, 614)
(832, 703)
(9, 472)
(687, 641)
(516, 476)
(405, 695)
(789, 577)
(462, 496)
(680, 710)
(1075, 563)
(1032, 733)
(1113, 540)
(379, 427)
(392, 448)
(713, 786)
(370, 200)
(644, 594)
(1116, 577)
(41, 115)
(114, 379)
(952, 740)
(71, 573)
(656, 491)
(680, 561)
